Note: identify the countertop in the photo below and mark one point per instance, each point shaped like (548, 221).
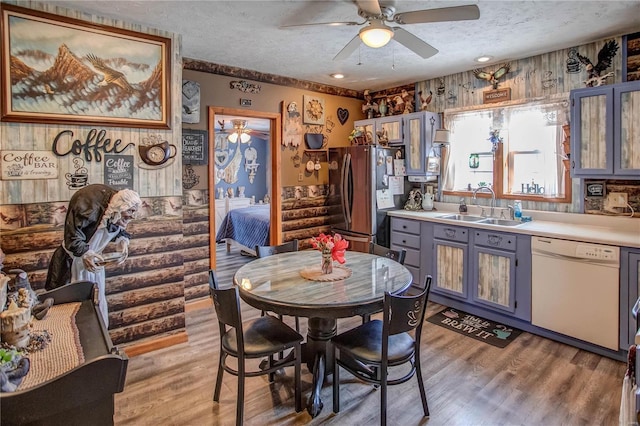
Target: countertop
(611, 230)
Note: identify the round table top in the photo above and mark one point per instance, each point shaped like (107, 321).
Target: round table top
(274, 283)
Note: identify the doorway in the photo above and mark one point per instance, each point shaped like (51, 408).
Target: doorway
(275, 188)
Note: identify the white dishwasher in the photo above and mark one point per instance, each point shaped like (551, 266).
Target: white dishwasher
(575, 289)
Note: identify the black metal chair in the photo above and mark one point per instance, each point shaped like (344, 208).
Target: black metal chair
(259, 338)
(397, 255)
(264, 251)
(371, 349)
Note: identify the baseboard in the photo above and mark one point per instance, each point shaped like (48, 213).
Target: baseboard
(197, 304)
(155, 344)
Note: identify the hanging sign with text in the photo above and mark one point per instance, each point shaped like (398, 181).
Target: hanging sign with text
(18, 165)
(194, 147)
(118, 171)
(497, 95)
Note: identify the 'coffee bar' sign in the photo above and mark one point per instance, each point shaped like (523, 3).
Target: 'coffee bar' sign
(22, 165)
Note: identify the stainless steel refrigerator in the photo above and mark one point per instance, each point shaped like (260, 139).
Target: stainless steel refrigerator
(355, 174)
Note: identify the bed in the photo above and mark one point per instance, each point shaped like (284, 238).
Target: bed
(246, 228)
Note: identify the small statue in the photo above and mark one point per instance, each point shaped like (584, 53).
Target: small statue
(369, 107)
(415, 200)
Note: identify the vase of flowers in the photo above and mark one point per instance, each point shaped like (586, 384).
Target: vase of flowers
(332, 247)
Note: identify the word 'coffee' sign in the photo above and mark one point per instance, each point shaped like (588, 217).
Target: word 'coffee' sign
(118, 171)
(17, 165)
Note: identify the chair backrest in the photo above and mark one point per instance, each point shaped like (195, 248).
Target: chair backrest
(397, 255)
(263, 251)
(405, 313)
(226, 303)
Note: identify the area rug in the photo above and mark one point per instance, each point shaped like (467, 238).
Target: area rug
(478, 328)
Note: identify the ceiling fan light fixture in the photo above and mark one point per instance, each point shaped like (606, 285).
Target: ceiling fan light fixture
(337, 75)
(376, 34)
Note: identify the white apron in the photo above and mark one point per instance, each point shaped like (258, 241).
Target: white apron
(97, 243)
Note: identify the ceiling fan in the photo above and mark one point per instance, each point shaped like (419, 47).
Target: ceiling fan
(240, 131)
(377, 33)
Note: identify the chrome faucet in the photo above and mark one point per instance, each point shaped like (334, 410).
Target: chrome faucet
(493, 197)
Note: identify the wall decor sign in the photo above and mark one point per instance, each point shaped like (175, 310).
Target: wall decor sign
(498, 95)
(194, 147)
(313, 110)
(118, 171)
(61, 70)
(190, 102)
(22, 165)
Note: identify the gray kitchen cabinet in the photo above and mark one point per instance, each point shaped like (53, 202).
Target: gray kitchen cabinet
(629, 293)
(450, 257)
(419, 129)
(500, 277)
(605, 130)
(390, 127)
(405, 234)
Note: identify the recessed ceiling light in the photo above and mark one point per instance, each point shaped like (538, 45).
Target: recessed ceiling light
(483, 58)
(338, 75)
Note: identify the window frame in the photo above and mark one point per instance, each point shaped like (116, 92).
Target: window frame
(500, 162)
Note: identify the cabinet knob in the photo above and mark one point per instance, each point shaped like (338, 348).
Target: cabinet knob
(404, 241)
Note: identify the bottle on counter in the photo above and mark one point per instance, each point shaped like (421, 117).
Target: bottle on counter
(517, 209)
(463, 206)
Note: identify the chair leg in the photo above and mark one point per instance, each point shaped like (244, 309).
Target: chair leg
(240, 402)
(272, 375)
(298, 367)
(383, 395)
(366, 318)
(336, 382)
(216, 393)
(297, 324)
(423, 394)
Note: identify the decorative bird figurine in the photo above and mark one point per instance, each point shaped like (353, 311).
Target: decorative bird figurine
(492, 77)
(594, 72)
(424, 102)
(111, 76)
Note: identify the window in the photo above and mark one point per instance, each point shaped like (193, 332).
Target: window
(515, 149)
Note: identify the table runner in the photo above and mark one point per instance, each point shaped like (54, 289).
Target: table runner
(63, 353)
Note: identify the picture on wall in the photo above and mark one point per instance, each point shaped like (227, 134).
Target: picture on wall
(314, 111)
(631, 57)
(62, 70)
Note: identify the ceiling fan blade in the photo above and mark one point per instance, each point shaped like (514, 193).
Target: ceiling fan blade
(348, 49)
(411, 42)
(371, 7)
(331, 24)
(457, 13)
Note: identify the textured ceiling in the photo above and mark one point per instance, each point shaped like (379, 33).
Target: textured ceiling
(246, 34)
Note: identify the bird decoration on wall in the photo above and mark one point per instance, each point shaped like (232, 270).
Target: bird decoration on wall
(492, 77)
(594, 72)
(111, 76)
(424, 102)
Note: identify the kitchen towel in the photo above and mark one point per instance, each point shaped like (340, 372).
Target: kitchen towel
(478, 328)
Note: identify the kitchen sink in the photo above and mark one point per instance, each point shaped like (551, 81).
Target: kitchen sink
(462, 217)
(502, 222)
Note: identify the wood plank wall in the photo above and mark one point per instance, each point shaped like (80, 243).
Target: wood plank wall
(195, 251)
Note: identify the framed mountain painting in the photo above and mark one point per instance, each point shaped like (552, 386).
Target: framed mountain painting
(61, 70)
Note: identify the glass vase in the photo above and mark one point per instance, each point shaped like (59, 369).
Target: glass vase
(327, 263)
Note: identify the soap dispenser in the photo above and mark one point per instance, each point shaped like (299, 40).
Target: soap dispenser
(463, 206)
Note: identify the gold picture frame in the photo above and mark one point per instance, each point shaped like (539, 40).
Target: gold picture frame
(313, 110)
(61, 70)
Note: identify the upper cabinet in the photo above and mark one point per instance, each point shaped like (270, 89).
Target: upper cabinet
(419, 128)
(382, 130)
(605, 126)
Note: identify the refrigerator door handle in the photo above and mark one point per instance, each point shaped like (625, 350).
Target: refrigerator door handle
(346, 195)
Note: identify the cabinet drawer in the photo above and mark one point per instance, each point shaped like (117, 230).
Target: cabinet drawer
(405, 240)
(452, 233)
(495, 240)
(412, 257)
(404, 225)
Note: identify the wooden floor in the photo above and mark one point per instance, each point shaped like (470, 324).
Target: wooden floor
(533, 381)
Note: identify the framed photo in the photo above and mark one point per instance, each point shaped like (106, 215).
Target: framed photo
(60, 70)
(313, 111)
(631, 57)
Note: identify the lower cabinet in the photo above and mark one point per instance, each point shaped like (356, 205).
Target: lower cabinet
(629, 293)
(405, 234)
(484, 268)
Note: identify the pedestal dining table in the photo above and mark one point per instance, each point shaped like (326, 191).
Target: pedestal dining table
(290, 284)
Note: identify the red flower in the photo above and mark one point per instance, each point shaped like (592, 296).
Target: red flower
(336, 245)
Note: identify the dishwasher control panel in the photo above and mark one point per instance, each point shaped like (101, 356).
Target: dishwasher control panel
(589, 251)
